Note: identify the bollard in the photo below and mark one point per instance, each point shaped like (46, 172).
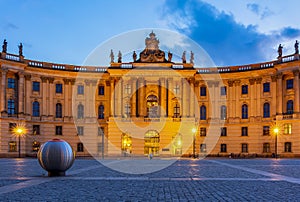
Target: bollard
(56, 156)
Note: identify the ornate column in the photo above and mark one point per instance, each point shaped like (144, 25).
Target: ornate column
(119, 98)
(108, 95)
(162, 97)
(258, 94)
(230, 112)
(113, 97)
(141, 98)
(192, 97)
(237, 98)
(3, 89)
(211, 93)
(66, 92)
(185, 97)
(279, 91)
(252, 97)
(21, 93)
(27, 94)
(44, 96)
(92, 99)
(51, 94)
(296, 100)
(216, 100)
(133, 97)
(169, 98)
(274, 94)
(87, 104)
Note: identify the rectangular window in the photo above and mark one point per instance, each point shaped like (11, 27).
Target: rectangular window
(80, 130)
(202, 148)
(36, 86)
(266, 87)
(244, 148)
(11, 126)
(266, 147)
(244, 131)
(128, 89)
(36, 129)
(100, 131)
(244, 89)
(287, 128)
(11, 83)
(202, 91)
(223, 90)
(100, 90)
(289, 84)
(12, 146)
(223, 148)
(202, 131)
(58, 130)
(176, 89)
(223, 131)
(266, 130)
(80, 89)
(287, 147)
(58, 88)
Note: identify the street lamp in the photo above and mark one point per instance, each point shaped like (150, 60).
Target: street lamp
(276, 131)
(20, 130)
(194, 130)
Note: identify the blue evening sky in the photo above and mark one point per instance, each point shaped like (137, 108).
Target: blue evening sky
(232, 32)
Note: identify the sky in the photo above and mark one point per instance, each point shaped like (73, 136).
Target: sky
(232, 32)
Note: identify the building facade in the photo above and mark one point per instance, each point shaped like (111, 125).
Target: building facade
(151, 105)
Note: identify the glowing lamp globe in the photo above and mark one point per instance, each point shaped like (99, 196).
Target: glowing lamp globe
(56, 156)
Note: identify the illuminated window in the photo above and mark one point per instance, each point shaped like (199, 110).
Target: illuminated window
(176, 89)
(11, 83)
(244, 131)
(202, 112)
(58, 130)
(244, 89)
(266, 147)
(58, 113)
(289, 84)
(127, 110)
(266, 87)
(202, 91)
(35, 146)
(12, 146)
(80, 111)
(101, 90)
(128, 89)
(266, 110)
(266, 130)
(244, 148)
(35, 109)
(223, 148)
(202, 131)
(80, 89)
(223, 131)
(223, 112)
(58, 88)
(287, 147)
(79, 147)
(36, 86)
(80, 130)
(36, 129)
(202, 148)
(176, 111)
(11, 107)
(287, 128)
(245, 111)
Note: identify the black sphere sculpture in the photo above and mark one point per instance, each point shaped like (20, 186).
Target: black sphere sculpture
(56, 156)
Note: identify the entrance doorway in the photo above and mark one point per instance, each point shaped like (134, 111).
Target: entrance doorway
(151, 142)
(152, 106)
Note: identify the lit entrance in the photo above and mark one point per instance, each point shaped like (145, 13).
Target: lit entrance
(152, 106)
(151, 142)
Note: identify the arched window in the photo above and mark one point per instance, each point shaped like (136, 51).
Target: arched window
(11, 107)
(80, 111)
(101, 112)
(290, 107)
(79, 147)
(266, 110)
(35, 108)
(223, 112)
(245, 111)
(203, 112)
(58, 112)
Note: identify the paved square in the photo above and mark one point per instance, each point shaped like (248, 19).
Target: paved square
(185, 180)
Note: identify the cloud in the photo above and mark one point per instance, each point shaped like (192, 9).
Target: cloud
(225, 40)
(10, 26)
(258, 10)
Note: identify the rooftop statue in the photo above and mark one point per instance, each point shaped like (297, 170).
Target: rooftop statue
(152, 53)
(296, 47)
(4, 46)
(119, 57)
(183, 57)
(280, 47)
(21, 49)
(170, 56)
(112, 57)
(192, 58)
(134, 56)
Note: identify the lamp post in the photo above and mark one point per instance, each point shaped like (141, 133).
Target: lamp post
(19, 131)
(276, 131)
(194, 130)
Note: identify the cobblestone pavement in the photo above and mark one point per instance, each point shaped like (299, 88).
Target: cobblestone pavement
(214, 179)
